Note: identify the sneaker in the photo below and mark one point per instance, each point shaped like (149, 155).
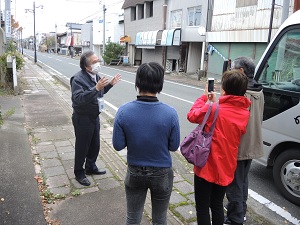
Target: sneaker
(228, 221)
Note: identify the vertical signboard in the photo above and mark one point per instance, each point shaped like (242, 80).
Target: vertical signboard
(7, 24)
(7, 20)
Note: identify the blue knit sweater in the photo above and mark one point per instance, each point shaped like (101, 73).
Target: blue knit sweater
(149, 130)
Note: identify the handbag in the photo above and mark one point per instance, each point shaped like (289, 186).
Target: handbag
(196, 146)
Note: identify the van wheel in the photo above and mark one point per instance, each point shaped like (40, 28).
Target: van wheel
(286, 174)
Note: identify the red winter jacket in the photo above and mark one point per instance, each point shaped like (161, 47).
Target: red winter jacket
(230, 126)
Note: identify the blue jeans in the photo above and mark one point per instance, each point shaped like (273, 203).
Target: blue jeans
(137, 182)
(237, 192)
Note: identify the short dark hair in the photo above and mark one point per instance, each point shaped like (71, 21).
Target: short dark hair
(234, 82)
(84, 59)
(150, 78)
(246, 63)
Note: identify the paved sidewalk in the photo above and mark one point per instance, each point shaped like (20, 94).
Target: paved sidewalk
(47, 109)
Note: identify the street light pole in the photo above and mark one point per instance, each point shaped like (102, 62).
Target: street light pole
(55, 38)
(104, 9)
(34, 37)
(22, 41)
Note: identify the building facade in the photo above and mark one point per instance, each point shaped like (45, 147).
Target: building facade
(242, 28)
(114, 29)
(143, 28)
(167, 32)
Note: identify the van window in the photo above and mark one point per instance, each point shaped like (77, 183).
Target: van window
(281, 75)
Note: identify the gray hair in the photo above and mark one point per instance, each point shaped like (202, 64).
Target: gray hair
(246, 63)
(84, 59)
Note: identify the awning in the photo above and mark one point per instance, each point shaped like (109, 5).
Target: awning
(148, 38)
(158, 38)
(171, 37)
(145, 46)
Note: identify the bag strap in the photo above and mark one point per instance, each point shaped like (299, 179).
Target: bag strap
(215, 118)
(205, 117)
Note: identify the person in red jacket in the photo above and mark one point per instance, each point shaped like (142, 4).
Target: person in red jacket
(210, 181)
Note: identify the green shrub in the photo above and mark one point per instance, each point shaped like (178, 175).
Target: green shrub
(112, 51)
(11, 49)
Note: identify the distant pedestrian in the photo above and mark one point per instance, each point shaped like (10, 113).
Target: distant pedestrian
(150, 130)
(210, 181)
(251, 146)
(88, 89)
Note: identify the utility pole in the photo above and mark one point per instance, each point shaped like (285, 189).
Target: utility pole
(22, 40)
(55, 38)
(163, 28)
(285, 11)
(71, 43)
(104, 9)
(34, 37)
(271, 21)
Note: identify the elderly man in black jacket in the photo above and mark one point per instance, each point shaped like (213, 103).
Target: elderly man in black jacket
(88, 89)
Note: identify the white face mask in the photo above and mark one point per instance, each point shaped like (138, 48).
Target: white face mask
(96, 68)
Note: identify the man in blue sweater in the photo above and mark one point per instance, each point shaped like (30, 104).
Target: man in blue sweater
(150, 130)
(88, 89)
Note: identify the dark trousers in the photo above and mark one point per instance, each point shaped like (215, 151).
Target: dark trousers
(87, 143)
(237, 192)
(209, 196)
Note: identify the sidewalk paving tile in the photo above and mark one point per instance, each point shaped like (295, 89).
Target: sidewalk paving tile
(48, 155)
(45, 148)
(58, 181)
(50, 162)
(66, 148)
(187, 211)
(67, 155)
(63, 143)
(61, 190)
(108, 183)
(54, 171)
(176, 198)
(184, 187)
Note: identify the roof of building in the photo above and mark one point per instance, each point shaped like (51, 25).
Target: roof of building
(129, 3)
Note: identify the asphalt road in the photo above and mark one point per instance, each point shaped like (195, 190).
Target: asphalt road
(181, 97)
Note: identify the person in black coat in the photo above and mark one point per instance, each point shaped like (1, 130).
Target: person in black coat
(88, 89)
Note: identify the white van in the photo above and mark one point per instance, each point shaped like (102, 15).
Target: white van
(279, 72)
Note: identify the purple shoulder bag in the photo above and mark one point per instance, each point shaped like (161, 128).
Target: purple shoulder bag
(196, 146)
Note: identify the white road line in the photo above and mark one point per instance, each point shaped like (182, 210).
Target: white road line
(59, 60)
(111, 105)
(172, 96)
(51, 68)
(73, 64)
(275, 208)
(167, 81)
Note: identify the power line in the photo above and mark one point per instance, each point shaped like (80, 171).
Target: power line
(98, 11)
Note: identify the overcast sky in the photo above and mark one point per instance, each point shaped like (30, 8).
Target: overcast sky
(57, 12)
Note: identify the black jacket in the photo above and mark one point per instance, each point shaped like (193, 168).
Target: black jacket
(85, 94)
